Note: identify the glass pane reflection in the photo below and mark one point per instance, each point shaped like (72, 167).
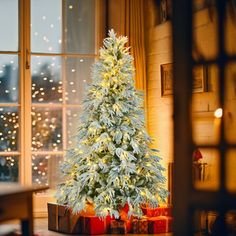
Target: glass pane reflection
(46, 171)
(9, 129)
(9, 168)
(9, 25)
(206, 169)
(46, 129)
(8, 78)
(211, 222)
(79, 26)
(46, 18)
(78, 75)
(230, 103)
(230, 28)
(46, 79)
(205, 30)
(206, 127)
(230, 170)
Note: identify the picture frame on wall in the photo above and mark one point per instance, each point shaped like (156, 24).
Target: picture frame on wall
(166, 79)
(199, 82)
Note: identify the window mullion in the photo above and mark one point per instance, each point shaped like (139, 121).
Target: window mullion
(25, 95)
(22, 167)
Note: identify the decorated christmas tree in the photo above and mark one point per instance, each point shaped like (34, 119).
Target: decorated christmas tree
(111, 164)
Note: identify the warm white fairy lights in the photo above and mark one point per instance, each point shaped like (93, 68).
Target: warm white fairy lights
(47, 87)
(8, 143)
(9, 128)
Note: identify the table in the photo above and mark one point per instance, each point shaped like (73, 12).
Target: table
(16, 203)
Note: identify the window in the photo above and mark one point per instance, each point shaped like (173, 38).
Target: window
(9, 95)
(205, 207)
(46, 51)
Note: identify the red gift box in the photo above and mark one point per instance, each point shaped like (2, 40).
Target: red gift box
(160, 224)
(167, 211)
(93, 225)
(159, 211)
(152, 212)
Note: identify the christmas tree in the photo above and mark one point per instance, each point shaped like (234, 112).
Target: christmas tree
(111, 163)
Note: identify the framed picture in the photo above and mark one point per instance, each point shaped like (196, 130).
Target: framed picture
(199, 81)
(166, 79)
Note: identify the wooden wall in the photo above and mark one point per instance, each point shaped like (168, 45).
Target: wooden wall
(160, 108)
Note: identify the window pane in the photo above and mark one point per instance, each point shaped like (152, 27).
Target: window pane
(210, 222)
(9, 167)
(8, 78)
(230, 103)
(80, 26)
(230, 170)
(9, 129)
(46, 79)
(9, 31)
(205, 30)
(230, 28)
(46, 129)
(46, 25)
(45, 170)
(73, 119)
(205, 169)
(206, 125)
(78, 75)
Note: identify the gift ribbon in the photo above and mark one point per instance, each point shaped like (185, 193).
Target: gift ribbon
(105, 223)
(167, 221)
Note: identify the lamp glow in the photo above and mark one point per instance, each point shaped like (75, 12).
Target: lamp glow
(218, 113)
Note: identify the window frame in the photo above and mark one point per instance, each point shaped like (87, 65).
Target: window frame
(25, 103)
(187, 199)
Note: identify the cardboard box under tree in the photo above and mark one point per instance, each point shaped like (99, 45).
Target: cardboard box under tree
(61, 219)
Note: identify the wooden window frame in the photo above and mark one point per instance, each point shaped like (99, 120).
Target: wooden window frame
(25, 105)
(187, 199)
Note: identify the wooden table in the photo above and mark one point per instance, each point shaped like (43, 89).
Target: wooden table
(16, 203)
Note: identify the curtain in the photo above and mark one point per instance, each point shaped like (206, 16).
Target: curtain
(134, 29)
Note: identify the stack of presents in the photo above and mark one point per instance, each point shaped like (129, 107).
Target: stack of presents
(154, 221)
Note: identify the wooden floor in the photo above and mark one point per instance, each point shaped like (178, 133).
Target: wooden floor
(41, 228)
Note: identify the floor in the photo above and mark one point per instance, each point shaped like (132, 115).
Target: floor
(41, 228)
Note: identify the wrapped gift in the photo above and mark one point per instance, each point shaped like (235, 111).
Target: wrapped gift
(158, 211)
(167, 211)
(140, 226)
(160, 224)
(61, 219)
(118, 227)
(93, 225)
(152, 212)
